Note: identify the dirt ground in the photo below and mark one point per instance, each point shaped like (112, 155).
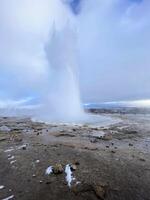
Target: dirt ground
(109, 162)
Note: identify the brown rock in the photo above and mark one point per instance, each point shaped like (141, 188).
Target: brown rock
(80, 188)
(17, 139)
(107, 137)
(73, 167)
(77, 163)
(58, 169)
(100, 191)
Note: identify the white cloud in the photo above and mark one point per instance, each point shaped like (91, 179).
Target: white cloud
(113, 46)
(25, 26)
(114, 50)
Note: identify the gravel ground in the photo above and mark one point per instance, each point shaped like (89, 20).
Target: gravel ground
(107, 162)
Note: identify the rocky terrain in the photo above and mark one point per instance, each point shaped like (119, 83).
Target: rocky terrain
(41, 161)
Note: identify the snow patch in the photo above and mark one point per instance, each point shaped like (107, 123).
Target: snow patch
(69, 177)
(49, 170)
(11, 158)
(2, 187)
(12, 162)
(22, 146)
(9, 150)
(78, 182)
(10, 197)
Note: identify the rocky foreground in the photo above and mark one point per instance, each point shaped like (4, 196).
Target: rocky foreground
(67, 162)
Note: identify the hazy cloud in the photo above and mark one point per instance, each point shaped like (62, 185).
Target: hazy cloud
(113, 47)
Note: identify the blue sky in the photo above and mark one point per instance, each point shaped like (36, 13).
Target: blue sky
(76, 8)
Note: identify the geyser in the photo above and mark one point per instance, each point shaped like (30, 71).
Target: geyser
(62, 101)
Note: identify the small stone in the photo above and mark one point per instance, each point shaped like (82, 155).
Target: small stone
(93, 140)
(113, 151)
(3, 139)
(130, 144)
(18, 139)
(48, 182)
(41, 182)
(58, 169)
(24, 147)
(73, 167)
(77, 163)
(100, 191)
(107, 137)
(107, 146)
(33, 175)
(142, 159)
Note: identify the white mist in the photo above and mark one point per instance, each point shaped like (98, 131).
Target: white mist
(62, 101)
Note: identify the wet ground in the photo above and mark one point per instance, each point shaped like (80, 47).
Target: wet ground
(109, 162)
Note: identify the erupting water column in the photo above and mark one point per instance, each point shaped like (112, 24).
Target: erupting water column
(63, 102)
